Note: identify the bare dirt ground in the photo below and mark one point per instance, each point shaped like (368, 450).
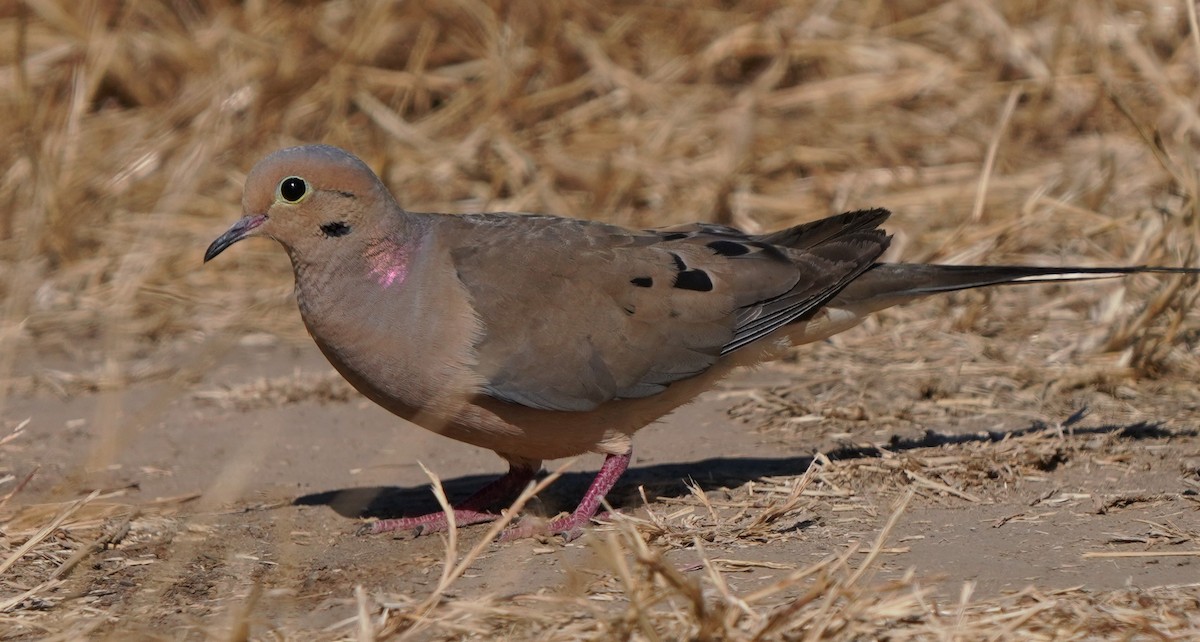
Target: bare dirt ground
(253, 480)
(178, 462)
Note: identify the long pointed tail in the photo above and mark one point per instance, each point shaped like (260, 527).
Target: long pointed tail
(888, 284)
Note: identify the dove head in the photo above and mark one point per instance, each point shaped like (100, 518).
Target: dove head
(312, 199)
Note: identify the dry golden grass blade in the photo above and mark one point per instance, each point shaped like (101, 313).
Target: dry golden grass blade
(989, 162)
(45, 531)
(366, 630)
(789, 503)
(116, 533)
(418, 619)
(13, 601)
(1117, 554)
(240, 621)
(127, 129)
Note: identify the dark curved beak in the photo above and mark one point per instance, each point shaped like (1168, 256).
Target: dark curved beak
(237, 232)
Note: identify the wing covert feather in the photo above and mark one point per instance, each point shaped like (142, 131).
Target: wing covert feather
(575, 313)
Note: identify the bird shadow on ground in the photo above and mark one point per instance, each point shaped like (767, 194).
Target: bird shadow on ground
(668, 480)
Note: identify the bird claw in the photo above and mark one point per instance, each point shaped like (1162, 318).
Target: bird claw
(523, 530)
(569, 528)
(571, 534)
(426, 524)
(374, 528)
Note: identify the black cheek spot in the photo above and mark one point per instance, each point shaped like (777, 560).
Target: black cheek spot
(679, 264)
(697, 280)
(728, 248)
(347, 195)
(642, 281)
(629, 309)
(336, 228)
(674, 236)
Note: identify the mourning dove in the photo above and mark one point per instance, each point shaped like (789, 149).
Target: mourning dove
(541, 337)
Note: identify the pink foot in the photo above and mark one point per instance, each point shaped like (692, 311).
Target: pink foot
(430, 523)
(571, 526)
(470, 511)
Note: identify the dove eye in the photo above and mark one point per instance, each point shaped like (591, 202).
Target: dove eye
(292, 189)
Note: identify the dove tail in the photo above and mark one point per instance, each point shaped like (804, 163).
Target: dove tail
(888, 284)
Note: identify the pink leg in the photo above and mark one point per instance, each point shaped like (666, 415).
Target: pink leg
(470, 511)
(571, 526)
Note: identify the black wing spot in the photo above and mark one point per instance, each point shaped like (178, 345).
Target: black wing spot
(674, 236)
(697, 280)
(642, 281)
(336, 228)
(728, 248)
(679, 264)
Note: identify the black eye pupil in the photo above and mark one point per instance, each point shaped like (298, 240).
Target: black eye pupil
(293, 189)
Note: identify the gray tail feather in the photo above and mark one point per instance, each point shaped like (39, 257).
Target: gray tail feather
(886, 284)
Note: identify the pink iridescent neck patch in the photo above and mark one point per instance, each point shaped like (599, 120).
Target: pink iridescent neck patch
(388, 262)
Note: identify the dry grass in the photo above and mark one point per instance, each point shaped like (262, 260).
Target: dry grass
(1019, 131)
(633, 591)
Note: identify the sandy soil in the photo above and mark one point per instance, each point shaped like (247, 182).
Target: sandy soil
(259, 473)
